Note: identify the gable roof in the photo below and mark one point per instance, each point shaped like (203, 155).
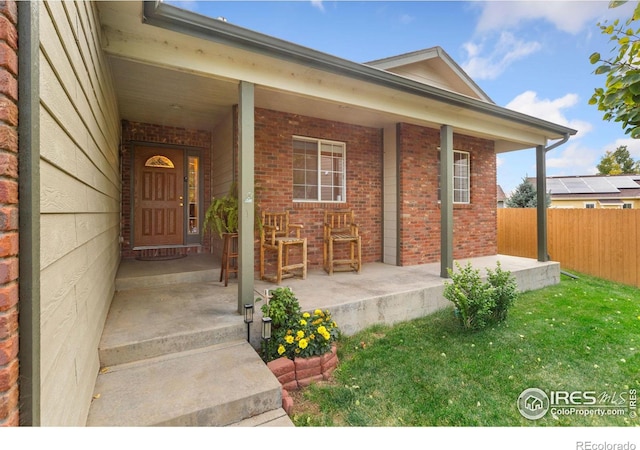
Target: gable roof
(432, 66)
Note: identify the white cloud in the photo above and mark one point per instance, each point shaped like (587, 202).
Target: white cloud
(490, 65)
(572, 159)
(550, 110)
(568, 16)
(318, 4)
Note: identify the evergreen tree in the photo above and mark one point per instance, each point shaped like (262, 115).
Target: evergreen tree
(525, 196)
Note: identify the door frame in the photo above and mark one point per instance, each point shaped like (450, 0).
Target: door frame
(188, 240)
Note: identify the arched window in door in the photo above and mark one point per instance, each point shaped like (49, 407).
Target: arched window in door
(159, 161)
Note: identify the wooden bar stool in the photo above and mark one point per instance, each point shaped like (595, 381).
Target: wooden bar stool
(275, 237)
(340, 227)
(229, 256)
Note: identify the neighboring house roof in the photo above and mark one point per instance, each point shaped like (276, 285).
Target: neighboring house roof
(611, 187)
(432, 66)
(500, 194)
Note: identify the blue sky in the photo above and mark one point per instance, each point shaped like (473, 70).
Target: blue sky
(530, 56)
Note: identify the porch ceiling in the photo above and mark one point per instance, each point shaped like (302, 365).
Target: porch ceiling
(164, 96)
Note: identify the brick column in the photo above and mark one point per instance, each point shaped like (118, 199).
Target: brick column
(8, 214)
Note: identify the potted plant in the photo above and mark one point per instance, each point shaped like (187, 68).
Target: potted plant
(222, 214)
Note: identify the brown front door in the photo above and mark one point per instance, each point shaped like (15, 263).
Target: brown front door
(158, 196)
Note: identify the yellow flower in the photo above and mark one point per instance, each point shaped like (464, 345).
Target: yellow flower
(318, 312)
(306, 315)
(288, 339)
(322, 329)
(281, 349)
(303, 322)
(303, 343)
(300, 334)
(326, 335)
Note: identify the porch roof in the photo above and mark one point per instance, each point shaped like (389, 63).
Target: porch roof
(169, 60)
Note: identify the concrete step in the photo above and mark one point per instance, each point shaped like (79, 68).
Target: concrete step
(198, 268)
(220, 385)
(151, 322)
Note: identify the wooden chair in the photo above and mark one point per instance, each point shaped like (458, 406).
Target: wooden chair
(279, 236)
(340, 227)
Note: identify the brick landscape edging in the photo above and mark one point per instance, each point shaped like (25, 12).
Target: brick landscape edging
(301, 372)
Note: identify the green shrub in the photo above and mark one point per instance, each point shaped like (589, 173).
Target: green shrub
(505, 291)
(479, 303)
(295, 333)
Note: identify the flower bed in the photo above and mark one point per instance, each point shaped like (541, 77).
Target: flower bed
(301, 372)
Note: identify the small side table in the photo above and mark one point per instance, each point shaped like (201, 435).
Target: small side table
(229, 256)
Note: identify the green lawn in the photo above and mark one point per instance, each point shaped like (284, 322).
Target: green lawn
(580, 335)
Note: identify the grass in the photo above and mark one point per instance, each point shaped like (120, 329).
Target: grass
(578, 335)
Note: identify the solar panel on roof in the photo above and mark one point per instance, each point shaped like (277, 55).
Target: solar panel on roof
(624, 182)
(600, 185)
(556, 186)
(576, 186)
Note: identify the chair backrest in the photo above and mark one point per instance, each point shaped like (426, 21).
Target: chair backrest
(340, 221)
(277, 220)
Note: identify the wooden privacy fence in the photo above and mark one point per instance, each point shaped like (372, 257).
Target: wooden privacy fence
(601, 242)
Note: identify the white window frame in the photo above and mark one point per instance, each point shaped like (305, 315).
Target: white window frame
(340, 150)
(462, 184)
(466, 188)
(627, 205)
(590, 205)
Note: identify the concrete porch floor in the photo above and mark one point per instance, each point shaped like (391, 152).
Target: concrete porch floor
(174, 351)
(381, 293)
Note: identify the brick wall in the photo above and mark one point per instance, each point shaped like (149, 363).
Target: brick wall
(274, 177)
(8, 215)
(134, 132)
(474, 232)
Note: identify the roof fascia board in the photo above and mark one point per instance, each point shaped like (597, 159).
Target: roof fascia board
(182, 21)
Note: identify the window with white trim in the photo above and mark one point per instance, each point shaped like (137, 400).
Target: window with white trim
(590, 205)
(319, 170)
(461, 177)
(627, 205)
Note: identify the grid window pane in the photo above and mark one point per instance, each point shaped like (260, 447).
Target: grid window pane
(461, 177)
(318, 170)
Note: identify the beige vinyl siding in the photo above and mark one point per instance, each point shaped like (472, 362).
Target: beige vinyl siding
(80, 206)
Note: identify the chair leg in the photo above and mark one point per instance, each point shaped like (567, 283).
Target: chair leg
(279, 263)
(330, 259)
(304, 259)
(359, 254)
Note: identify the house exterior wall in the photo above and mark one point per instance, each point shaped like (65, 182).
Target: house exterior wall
(474, 232)
(133, 133)
(274, 177)
(9, 284)
(80, 206)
